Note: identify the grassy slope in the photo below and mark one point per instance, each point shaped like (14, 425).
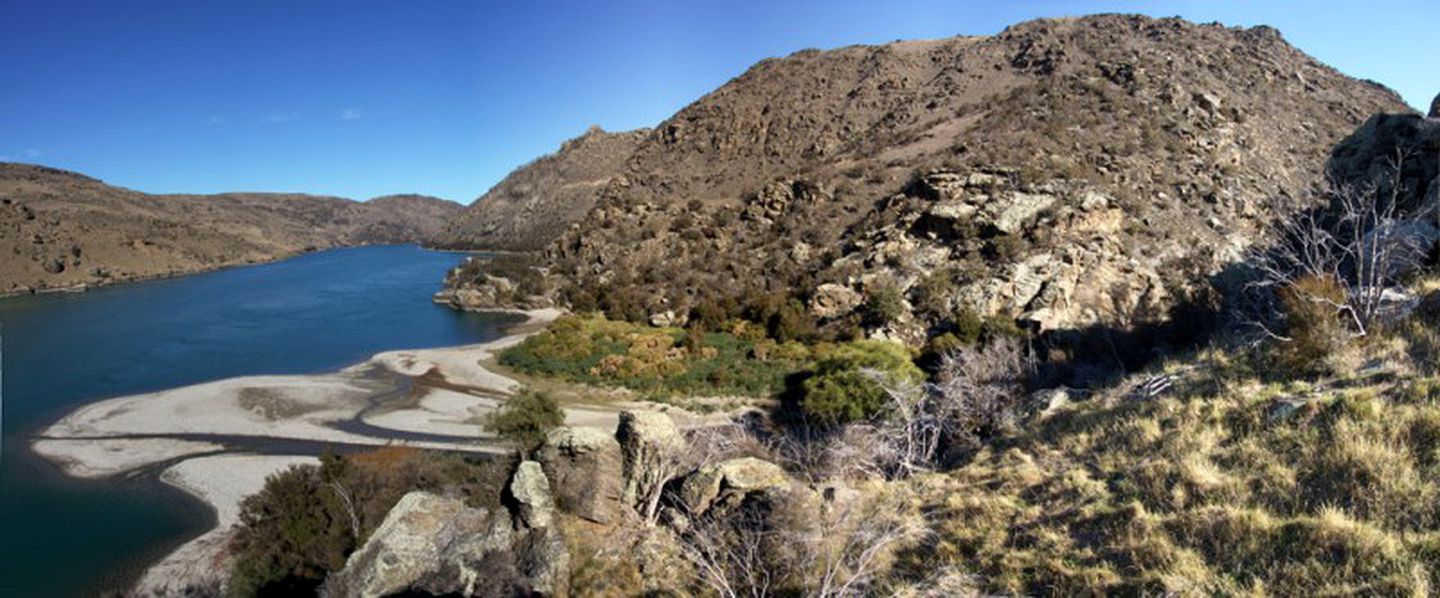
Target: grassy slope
(1228, 485)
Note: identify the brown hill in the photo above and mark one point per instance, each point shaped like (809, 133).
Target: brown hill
(63, 229)
(540, 200)
(1064, 172)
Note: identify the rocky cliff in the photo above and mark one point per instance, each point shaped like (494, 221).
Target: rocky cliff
(63, 229)
(540, 200)
(1063, 172)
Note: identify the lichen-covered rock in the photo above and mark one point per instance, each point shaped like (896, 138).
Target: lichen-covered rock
(727, 483)
(532, 490)
(649, 442)
(586, 472)
(833, 300)
(1014, 212)
(543, 562)
(426, 543)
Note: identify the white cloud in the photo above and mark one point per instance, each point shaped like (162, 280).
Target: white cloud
(351, 114)
(216, 119)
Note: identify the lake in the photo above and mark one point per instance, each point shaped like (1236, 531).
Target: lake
(318, 312)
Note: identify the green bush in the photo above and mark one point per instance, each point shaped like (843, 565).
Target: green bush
(843, 387)
(300, 528)
(526, 418)
(883, 305)
(1312, 323)
(660, 362)
(291, 535)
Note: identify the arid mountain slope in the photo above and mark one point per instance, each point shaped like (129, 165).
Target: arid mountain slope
(538, 201)
(1065, 172)
(63, 229)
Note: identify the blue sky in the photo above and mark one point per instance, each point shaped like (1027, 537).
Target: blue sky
(361, 98)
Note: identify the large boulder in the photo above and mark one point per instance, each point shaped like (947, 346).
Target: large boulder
(650, 444)
(531, 490)
(586, 471)
(832, 300)
(728, 483)
(1435, 107)
(426, 543)
(429, 544)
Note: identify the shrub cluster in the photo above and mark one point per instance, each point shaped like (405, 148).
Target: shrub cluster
(307, 520)
(661, 363)
(848, 384)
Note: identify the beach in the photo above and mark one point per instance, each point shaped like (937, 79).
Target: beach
(218, 441)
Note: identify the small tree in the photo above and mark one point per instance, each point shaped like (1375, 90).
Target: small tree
(525, 419)
(884, 304)
(845, 388)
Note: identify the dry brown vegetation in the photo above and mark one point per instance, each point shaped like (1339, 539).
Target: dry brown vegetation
(59, 229)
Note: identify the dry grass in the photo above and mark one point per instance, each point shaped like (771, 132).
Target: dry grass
(1223, 491)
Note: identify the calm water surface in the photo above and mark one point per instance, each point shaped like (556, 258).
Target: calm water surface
(319, 312)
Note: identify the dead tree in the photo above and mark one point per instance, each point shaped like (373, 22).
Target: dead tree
(1360, 241)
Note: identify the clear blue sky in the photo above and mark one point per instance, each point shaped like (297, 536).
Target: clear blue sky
(360, 98)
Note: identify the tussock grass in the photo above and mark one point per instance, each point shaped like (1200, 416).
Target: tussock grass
(1232, 486)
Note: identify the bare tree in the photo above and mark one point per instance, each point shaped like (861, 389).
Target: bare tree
(852, 541)
(980, 390)
(703, 446)
(755, 551)
(1360, 241)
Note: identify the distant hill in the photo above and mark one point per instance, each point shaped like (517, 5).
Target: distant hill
(63, 229)
(1065, 172)
(540, 200)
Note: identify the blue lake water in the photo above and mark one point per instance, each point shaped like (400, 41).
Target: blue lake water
(318, 312)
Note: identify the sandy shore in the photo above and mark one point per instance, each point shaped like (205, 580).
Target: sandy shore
(429, 398)
(222, 481)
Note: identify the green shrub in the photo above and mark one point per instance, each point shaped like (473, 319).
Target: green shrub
(291, 535)
(792, 323)
(883, 305)
(526, 418)
(661, 363)
(968, 326)
(843, 387)
(1312, 323)
(298, 528)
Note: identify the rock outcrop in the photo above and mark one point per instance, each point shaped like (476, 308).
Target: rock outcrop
(437, 545)
(726, 484)
(426, 543)
(1435, 107)
(1067, 173)
(649, 443)
(531, 489)
(586, 469)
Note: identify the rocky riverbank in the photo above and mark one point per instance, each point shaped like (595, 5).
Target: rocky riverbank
(220, 440)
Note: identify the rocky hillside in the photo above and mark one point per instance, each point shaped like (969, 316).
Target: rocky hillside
(540, 200)
(63, 229)
(1063, 172)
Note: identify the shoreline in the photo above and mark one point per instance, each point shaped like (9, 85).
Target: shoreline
(192, 430)
(85, 287)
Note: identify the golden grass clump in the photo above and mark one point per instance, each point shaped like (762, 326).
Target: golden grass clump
(1244, 489)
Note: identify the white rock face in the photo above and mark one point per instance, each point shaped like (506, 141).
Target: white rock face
(423, 535)
(531, 488)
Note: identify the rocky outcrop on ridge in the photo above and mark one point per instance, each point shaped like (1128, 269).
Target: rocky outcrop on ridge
(1066, 173)
(540, 200)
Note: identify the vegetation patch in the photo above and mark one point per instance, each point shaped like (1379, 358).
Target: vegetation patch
(659, 362)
